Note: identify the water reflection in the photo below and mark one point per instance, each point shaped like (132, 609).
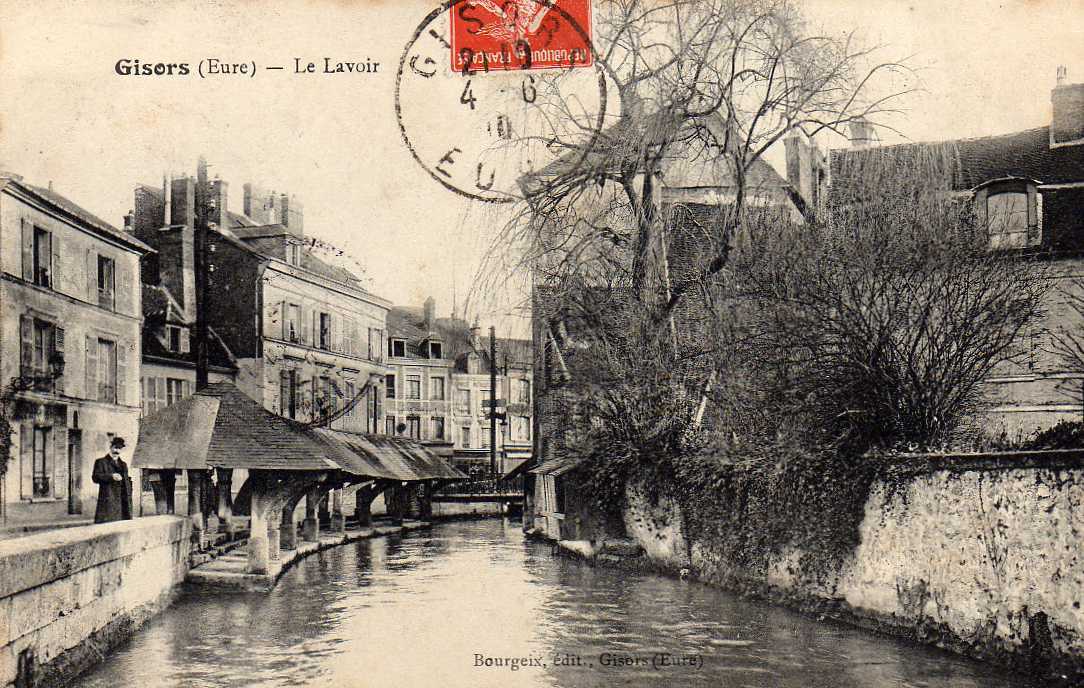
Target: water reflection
(419, 610)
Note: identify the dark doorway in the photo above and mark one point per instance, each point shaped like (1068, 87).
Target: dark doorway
(75, 471)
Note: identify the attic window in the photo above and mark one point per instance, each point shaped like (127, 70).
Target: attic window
(397, 347)
(293, 254)
(1013, 211)
(173, 338)
(435, 350)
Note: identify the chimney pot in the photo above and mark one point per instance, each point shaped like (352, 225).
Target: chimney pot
(1063, 74)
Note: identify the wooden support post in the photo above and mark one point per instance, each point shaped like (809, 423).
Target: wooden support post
(273, 535)
(195, 504)
(287, 528)
(363, 505)
(310, 529)
(338, 520)
(258, 554)
(225, 499)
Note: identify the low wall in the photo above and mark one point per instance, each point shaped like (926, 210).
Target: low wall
(979, 554)
(466, 509)
(68, 596)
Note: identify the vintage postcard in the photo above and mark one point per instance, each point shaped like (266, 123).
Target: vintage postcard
(542, 343)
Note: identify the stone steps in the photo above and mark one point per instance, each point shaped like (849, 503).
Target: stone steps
(227, 571)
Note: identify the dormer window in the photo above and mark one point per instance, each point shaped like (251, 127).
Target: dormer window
(435, 350)
(1012, 209)
(173, 338)
(293, 254)
(397, 347)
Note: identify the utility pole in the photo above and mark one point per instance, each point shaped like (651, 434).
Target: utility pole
(492, 402)
(200, 245)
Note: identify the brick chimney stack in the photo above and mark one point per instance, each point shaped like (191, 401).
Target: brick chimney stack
(806, 170)
(862, 133)
(292, 217)
(430, 309)
(1067, 124)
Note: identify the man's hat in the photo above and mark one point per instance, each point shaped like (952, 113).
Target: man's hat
(117, 442)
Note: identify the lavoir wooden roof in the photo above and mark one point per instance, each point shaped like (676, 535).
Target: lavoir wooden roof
(221, 427)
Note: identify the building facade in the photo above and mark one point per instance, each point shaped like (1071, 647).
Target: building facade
(70, 314)
(1027, 187)
(304, 335)
(438, 388)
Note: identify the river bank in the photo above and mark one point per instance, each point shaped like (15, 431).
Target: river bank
(415, 610)
(977, 554)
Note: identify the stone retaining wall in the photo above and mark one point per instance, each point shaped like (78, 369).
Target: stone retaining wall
(68, 596)
(980, 554)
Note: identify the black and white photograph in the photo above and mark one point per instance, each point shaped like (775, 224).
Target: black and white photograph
(542, 343)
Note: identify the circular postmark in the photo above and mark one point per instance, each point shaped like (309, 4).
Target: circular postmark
(489, 94)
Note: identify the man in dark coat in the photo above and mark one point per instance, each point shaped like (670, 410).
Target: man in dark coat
(114, 486)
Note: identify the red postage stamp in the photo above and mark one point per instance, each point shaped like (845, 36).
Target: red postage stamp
(498, 35)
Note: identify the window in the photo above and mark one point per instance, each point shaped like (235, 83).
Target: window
(107, 371)
(389, 425)
(173, 338)
(436, 388)
(43, 257)
(435, 350)
(371, 420)
(325, 331)
(414, 427)
(486, 396)
(521, 428)
(485, 437)
(288, 393)
(371, 344)
(464, 436)
(44, 346)
(175, 390)
(1007, 219)
(414, 387)
(389, 385)
(523, 391)
(150, 395)
(397, 347)
(293, 254)
(462, 400)
(107, 283)
(293, 323)
(42, 469)
(351, 392)
(438, 427)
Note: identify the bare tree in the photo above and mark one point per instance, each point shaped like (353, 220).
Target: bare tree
(714, 84)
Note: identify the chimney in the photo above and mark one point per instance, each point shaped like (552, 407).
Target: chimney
(475, 337)
(1067, 125)
(430, 313)
(806, 170)
(219, 214)
(182, 207)
(862, 133)
(290, 211)
(167, 193)
(128, 221)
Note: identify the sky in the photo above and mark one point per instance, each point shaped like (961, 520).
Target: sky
(984, 68)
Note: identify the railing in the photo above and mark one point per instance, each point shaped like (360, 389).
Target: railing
(513, 486)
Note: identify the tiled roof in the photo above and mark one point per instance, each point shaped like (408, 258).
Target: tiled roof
(220, 426)
(73, 210)
(685, 164)
(408, 323)
(1025, 154)
(382, 456)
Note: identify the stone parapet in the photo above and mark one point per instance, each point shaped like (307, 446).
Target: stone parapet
(66, 596)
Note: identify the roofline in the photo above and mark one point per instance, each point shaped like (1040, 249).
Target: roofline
(307, 274)
(105, 230)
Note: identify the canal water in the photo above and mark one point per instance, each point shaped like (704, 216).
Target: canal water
(447, 606)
